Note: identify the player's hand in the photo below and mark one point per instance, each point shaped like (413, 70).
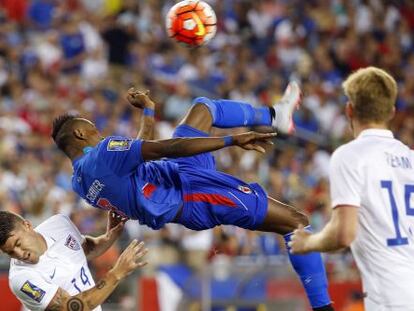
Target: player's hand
(130, 259)
(253, 140)
(299, 241)
(140, 99)
(115, 224)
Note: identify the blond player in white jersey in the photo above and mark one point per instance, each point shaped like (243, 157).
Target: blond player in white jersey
(372, 192)
(49, 269)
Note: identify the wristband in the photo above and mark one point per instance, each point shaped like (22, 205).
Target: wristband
(148, 112)
(228, 140)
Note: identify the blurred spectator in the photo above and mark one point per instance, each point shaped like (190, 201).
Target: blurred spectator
(73, 45)
(41, 12)
(178, 104)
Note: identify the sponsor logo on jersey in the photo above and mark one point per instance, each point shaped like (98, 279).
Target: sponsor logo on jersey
(72, 243)
(119, 144)
(245, 189)
(53, 275)
(33, 291)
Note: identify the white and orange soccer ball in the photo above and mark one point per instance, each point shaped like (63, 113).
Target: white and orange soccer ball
(191, 22)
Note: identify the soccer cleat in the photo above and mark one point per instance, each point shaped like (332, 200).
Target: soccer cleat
(283, 121)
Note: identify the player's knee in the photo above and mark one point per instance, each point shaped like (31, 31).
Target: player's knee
(199, 117)
(202, 100)
(206, 105)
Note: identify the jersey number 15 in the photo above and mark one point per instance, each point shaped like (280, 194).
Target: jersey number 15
(408, 190)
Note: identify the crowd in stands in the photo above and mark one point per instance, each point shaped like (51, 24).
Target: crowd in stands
(81, 56)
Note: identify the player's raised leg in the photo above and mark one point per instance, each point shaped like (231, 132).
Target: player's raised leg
(283, 219)
(223, 113)
(212, 198)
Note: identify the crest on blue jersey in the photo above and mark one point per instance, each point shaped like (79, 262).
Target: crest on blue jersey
(244, 189)
(33, 291)
(72, 243)
(119, 144)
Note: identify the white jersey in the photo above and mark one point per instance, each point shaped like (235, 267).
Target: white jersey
(62, 265)
(375, 172)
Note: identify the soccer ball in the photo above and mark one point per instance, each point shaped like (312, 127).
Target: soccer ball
(191, 22)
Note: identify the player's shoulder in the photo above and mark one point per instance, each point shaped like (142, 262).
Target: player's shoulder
(402, 146)
(57, 226)
(116, 143)
(348, 150)
(55, 221)
(32, 289)
(351, 155)
(19, 275)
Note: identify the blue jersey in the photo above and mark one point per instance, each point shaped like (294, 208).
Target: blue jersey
(113, 176)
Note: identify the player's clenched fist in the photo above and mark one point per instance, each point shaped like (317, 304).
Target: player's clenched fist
(115, 225)
(299, 241)
(252, 140)
(130, 259)
(140, 99)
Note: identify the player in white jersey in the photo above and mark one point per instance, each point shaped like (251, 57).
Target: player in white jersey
(49, 269)
(372, 192)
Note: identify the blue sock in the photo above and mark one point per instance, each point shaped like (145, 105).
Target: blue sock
(311, 271)
(231, 113)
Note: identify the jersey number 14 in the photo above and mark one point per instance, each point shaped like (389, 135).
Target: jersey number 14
(408, 190)
(84, 279)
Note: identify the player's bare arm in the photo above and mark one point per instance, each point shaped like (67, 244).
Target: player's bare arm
(129, 260)
(142, 100)
(339, 233)
(184, 147)
(96, 246)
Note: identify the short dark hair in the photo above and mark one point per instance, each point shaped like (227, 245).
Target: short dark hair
(59, 134)
(8, 221)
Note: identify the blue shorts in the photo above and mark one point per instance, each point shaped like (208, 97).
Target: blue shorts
(213, 198)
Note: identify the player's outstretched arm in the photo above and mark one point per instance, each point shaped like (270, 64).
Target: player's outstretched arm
(338, 233)
(185, 147)
(141, 100)
(95, 246)
(129, 260)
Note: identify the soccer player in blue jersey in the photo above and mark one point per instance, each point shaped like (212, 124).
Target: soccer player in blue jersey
(175, 180)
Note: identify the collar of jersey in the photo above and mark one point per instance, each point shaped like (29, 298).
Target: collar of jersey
(86, 150)
(376, 132)
(76, 160)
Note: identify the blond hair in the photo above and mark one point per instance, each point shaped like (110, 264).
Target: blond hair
(372, 92)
